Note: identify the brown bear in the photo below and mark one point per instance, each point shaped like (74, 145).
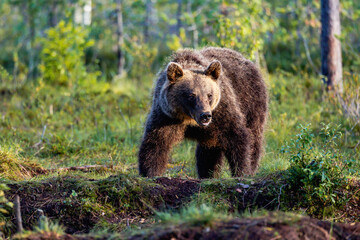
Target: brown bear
(214, 96)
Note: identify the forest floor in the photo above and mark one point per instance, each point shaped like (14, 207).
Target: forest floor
(48, 134)
(132, 205)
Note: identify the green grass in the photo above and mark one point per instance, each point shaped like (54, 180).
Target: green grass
(192, 215)
(62, 127)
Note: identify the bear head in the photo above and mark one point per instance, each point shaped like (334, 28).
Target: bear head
(191, 95)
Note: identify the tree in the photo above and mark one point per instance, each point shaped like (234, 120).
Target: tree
(148, 19)
(331, 60)
(178, 16)
(120, 37)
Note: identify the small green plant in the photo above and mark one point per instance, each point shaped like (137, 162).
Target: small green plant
(45, 225)
(193, 216)
(5, 205)
(318, 167)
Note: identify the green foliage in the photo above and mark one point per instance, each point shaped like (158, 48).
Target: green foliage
(141, 57)
(5, 78)
(246, 27)
(69, 118)
(5, 205)
(318, 167)
(202, 215)
(62, 56)
(46, 226)
(9, 83)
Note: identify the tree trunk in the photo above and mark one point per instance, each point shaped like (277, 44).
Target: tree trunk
(178, 16)
(331, 61)
(52, 17)
(120, 37)
(193, 26)
(32, 32)
(148, 19)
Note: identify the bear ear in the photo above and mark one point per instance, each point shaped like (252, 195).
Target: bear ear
(213, 70)
(174, 71)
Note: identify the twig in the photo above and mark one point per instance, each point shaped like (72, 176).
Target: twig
(18, 214)
(85, 168)
(307, 52)
(356, 146)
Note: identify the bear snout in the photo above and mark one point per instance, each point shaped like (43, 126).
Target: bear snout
(205, 118)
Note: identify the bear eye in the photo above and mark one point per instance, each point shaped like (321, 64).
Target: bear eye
(191, 97)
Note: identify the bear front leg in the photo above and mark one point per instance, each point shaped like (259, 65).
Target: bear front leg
(238, 151)
(155, 148)
(208, 161)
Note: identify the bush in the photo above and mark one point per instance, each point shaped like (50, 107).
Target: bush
(141, 57)
(318, 167)
(62, 56)
(9, 83)
(246, 28)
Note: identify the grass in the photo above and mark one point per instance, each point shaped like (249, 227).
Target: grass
(192, 215)
(62, 127)
(46, 128)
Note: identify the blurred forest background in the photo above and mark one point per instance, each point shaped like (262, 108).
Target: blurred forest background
(76, 75)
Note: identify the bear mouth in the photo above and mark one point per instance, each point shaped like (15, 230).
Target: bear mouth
(204, 123)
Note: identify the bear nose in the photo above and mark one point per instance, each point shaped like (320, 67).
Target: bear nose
(205, 117)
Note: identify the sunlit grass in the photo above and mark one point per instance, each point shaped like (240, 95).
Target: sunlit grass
(62, 128)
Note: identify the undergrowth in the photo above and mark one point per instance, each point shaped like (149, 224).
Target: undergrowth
(193, 215)
(14, 167)
(319, 170)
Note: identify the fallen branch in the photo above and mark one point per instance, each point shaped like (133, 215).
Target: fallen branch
(18, 218)
(85, 168)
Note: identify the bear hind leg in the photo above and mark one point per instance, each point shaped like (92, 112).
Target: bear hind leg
(208, 161)
(238, 152)
(256, 153)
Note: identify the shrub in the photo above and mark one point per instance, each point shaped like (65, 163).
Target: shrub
(62, 56)
(141, 57)
(318, 167)
(8, 83)
(244, 30)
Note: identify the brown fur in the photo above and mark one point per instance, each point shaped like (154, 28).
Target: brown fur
(217, 84)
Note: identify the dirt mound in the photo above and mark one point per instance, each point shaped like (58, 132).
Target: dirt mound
(80, 204)
(269, 227)
(176, 189)
(275, 225)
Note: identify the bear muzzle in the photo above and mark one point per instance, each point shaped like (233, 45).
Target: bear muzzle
(204, 119)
